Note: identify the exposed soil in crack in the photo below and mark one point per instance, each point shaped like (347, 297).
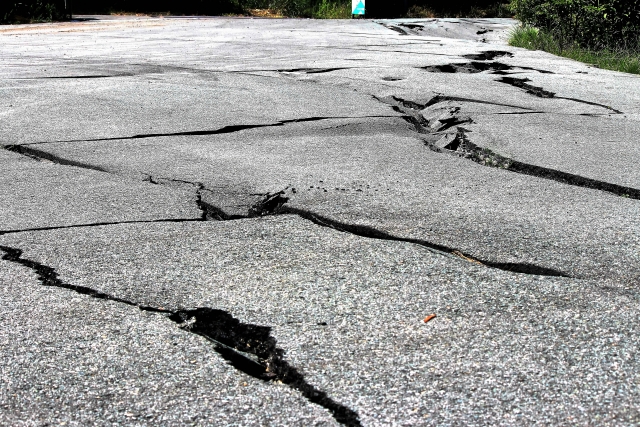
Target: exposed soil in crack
(43, 155)
(222, 130)
(247, 347)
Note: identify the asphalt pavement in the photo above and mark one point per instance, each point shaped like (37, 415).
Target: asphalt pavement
(234, 221)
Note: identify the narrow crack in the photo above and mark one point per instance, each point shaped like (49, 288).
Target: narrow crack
(540, 92)
(222, 130)
(373, 233)
(100, 76)
(100, 224)
(43, 155)
(247, 347)
(315, 70)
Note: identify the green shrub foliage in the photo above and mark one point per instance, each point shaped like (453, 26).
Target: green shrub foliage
(31, 10)
(589, 23)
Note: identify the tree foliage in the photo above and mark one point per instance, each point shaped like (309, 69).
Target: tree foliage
(31, 10)
(589, 23)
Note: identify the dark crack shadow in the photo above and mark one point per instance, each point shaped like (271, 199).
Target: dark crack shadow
(541, 93)
(222, 130)
(373, 233)
(488, 55)
(231, 336)
(99, 224)
(248, 348)
(462, 146)
(43, 155)
(479, 67)
(98, 76)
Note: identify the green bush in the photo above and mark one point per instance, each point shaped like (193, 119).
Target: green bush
(590, 23)
(32, 11)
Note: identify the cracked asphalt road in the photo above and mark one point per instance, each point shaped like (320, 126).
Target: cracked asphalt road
(245, 221)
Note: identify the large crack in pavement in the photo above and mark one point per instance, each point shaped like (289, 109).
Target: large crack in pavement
(247, 347)
(437, 139)
(541, 93)
(219, 131)
(478, 67)
(274, 203)
(488, 55)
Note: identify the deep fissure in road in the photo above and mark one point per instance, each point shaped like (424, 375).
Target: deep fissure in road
(247, 347)
(462, 146)
(274, 204)
(479, 67)
(488, 55)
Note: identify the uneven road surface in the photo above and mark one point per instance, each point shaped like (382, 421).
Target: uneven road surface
(231, 221)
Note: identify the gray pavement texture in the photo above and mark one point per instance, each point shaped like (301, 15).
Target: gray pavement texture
(228, 221)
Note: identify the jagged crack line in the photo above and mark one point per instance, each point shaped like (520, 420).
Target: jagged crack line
(370, 232)
(99, 224)
(394, 28)
(484, 156)
(43, 155)
(247, 347)
(442, 98)
(313, 70)
(460, 144)
(575, 180)
(222, 130)
(541, 93)
(101, 76)
(582, 101)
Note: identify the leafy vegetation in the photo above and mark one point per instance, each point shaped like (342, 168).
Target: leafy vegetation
(32, 11)
(46, 10)
(604, 33)
(590, 24)
(622, 59)
(327, 9)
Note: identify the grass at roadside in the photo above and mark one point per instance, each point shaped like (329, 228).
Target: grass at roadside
(328, 9)
(626, 60)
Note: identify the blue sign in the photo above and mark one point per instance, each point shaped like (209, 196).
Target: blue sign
(357, 7)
